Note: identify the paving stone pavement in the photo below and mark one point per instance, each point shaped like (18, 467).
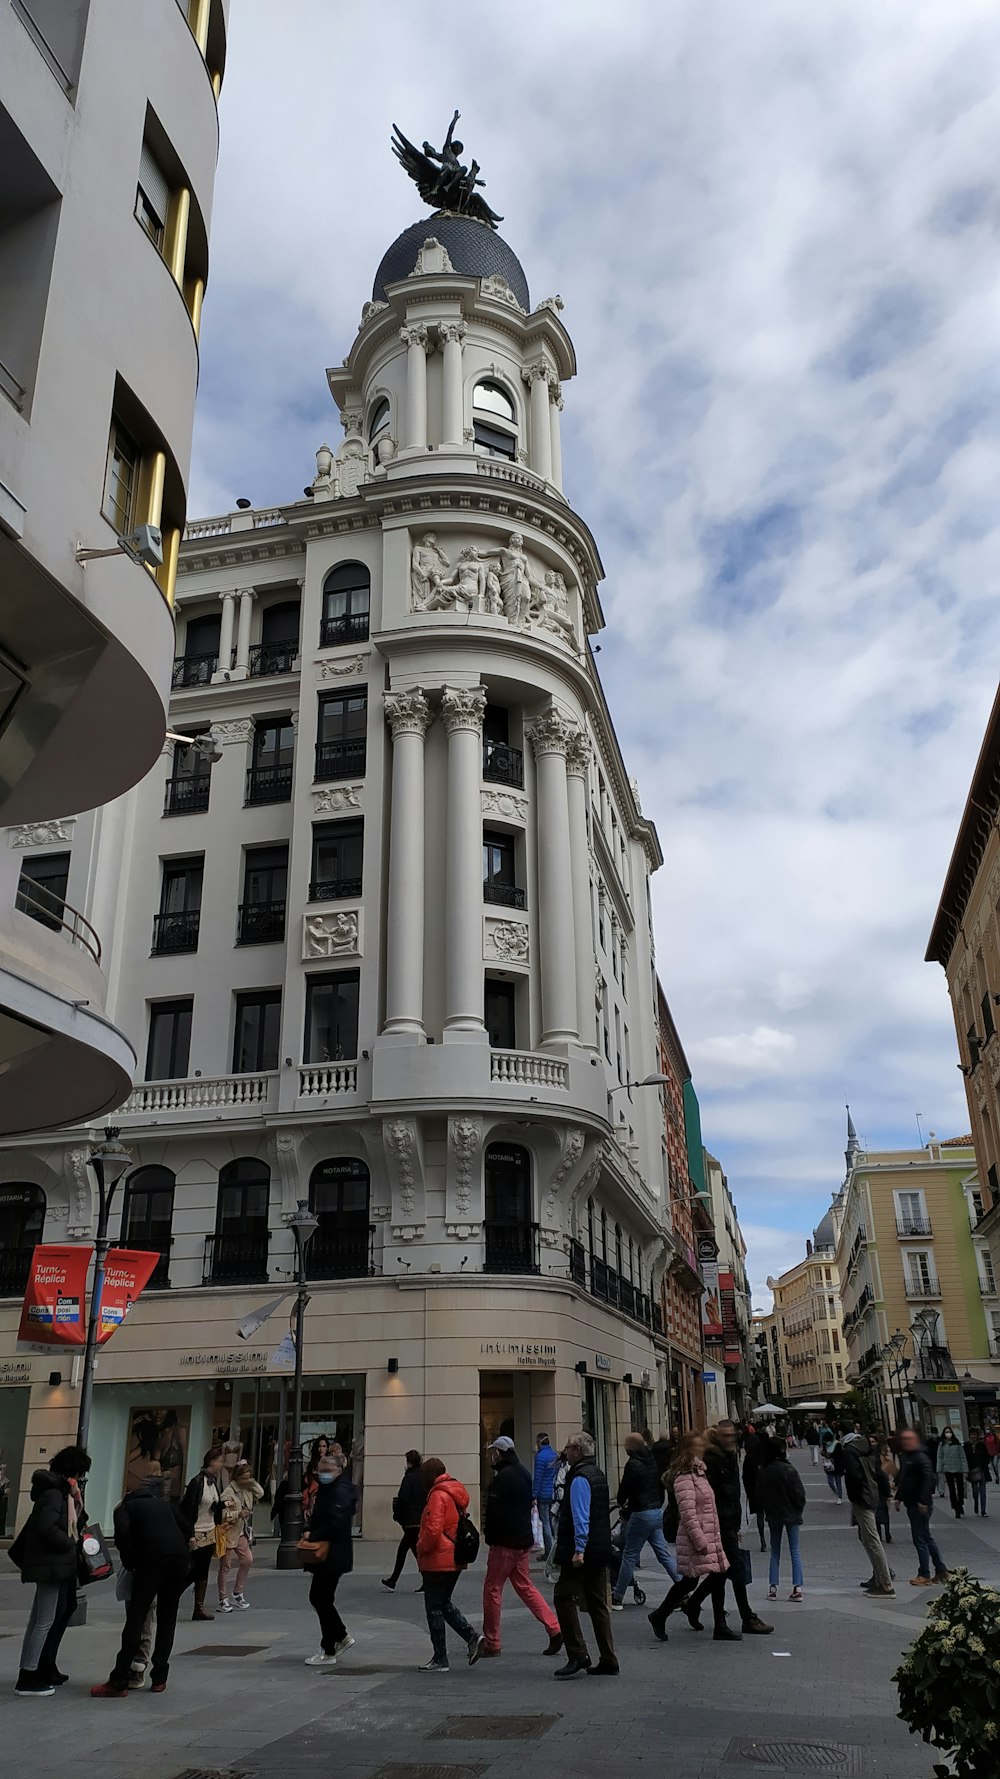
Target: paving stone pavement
(822, 1678)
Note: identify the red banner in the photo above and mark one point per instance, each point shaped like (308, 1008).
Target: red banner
(126, 1271)
(54, 1312)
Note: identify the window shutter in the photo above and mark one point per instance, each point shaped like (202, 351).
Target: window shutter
(153, 183)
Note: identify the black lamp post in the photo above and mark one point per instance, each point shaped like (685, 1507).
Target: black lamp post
(109, 1162)
(304, 1224)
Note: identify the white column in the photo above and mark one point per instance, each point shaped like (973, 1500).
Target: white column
(415, 340)
(555, 433)
(538, 376)
(247, 597)
(462, 714)
(549, 736)
(226, 632)
(452, 335)
(409, 716)
(578, 755)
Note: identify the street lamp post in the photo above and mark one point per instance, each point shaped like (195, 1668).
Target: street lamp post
(304, 1225)
(109, 1162)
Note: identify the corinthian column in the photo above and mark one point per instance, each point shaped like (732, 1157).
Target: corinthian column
(556, 405)
(578, 756)
(409, 716)
(538, 376)
(452, 334)
(462, 714)
(549, 736)
(415, 340)
(247, 597)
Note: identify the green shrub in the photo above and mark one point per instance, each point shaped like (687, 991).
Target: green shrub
(949, 1679)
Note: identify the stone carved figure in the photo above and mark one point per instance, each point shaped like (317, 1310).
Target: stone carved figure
(572, 1151)
(49, 833)
(441, 179)
(464, 1135)
(499, 583)
(515, 580)
(428, 567)
(465, 588)
(334, 799)
(550, 607)
(331, 935)
(509, 939)
(401, 1144)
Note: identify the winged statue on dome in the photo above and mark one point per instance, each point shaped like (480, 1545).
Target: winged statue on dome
(440, 177)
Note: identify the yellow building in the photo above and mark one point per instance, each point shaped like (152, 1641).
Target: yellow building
(807, 1313)
(921, 1310)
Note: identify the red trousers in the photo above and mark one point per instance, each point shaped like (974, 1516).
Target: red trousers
(511, 1565)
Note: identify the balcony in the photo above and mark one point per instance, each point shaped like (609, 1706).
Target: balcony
(922, 1288)
(334, 889)
(987, 1287)
(603, 1281)
(268, 784)
(15, 1265)
(504, 895)
(503, 764)
(237, 1259)
(193, 670)
(154, 1098)
(260, 923)
(523, 1068)
(187, 796)
(340, 759)
(936, 1362)
(906, 1226)
(578, 1264)
(175, 932)
(341, 1254)
(512, 1248)
(318, 1080)
(159, 1279)
(52, 911)
(353, 627)
(269, 658)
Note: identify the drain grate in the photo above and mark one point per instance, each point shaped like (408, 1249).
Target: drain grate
(225, 1649)
(809, 1757)
(405, 1769)
(210, 1773)
(492, 1729)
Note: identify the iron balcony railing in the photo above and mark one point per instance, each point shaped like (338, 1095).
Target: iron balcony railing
(352, 627)
(159, 1279)
(268, 784)
(15, 1265)
(237, 1259)
(176, 932)
(503, 764)
(340, 759)
(505, 895)
(260, 923)
(334, 889)
(187, 796)
(268, 658)
(913, 1226)
(512, 1248)
(194, 670)
(935, 1361)
(923, 1288)
(341, 1254)
(52, 911)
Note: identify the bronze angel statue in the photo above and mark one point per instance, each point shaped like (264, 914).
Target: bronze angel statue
(441, 179)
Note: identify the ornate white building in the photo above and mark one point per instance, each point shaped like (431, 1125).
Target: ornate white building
(392, 953)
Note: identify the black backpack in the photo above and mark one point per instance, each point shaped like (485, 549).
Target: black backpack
(466, 1541)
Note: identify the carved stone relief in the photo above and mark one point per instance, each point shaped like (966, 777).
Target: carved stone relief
(405, 1171)
(497, 583)
(81, 1215)
(572, 1151)
(408, 713)
(463, 1232)
(53, 833)
(332, 935)
(465, 1143)
(333, 799)
(505, 941)
(433, 257)
(232, 730)
(346, 667)
(497, 287)
(285, 1146)
(507, 804)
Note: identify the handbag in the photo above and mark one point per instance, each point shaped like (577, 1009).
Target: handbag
(313, 1551)
(221, 1541)
(93, 1559)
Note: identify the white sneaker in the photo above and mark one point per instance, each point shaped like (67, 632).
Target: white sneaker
(242, 1602)
(345, 1643)
(431, 1667)
(320, 1660)
(226, 1606)
(617, 1606)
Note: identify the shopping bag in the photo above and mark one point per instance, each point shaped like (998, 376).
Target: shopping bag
(93, 1559)
(538, 1542)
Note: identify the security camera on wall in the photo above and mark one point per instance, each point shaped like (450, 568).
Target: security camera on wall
(146, 544)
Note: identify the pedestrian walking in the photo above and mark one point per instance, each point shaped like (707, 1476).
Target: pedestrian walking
(331, 1556)
(915, 1492)
(507, 1532)
(953, 1465)
(202, 1507)
(407, 1506)
(700, 1551)
(583, 1553)
(933, 1447)
(978, 1460)
(751, 1469)
(833, 1466)
(992, 1443)
(723, 1467)
(45, 1551)
(153, 1538)
(543, 1478)
(885, 1476)
(640, 1497)
(783, 1496)
(812, 1441)
(437, 1558)
(861, 1481)
(238, 1502)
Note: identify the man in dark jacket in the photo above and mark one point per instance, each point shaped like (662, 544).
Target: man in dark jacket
(152, 1536)
(722, 1462)
(640, 1497)
(507, 1531)
(583, 1552)
(861, 1465)
(407, 1507)
(915, 1491)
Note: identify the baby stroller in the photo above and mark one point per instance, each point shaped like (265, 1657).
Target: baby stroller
(617, 1546)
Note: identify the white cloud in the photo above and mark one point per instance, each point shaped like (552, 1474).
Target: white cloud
(734, 1058)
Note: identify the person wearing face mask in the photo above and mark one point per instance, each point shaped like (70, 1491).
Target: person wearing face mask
(330, 1535)
(954, 1467)
(153, 1538)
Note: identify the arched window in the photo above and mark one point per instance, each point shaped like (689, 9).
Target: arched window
(511, 1235)
(22, 1214)
(347, 594)
(147, 1216)
(494, 420)
(379, 422)
(339, 1194)
(238, 1249)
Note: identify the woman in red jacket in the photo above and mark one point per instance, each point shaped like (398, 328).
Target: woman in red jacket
(446, 1500)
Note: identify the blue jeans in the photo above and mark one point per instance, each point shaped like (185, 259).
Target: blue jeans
(978, 1495)
(836, 1484)
(642, 1528)
(439, 1585)
(545, 1515)
(926, 1549)
(776, 1528)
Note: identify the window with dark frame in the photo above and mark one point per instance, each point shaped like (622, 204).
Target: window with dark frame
(257, 1031)
(22, 1220)
(121, 479)
(347, 595)
(502, 764)
(500, 1003)
(340, 1197)
(490, 398)
(337, 860)
(189, 784)
(147, 1217)
(176, 926)
(152, 198)
(41, 888)
(269, 778)
(331, 1028)
(265, 888)
(168, 1050)
(499, 865)
(202, 639)
(278, 648)
(341, 745)
(238, 1250)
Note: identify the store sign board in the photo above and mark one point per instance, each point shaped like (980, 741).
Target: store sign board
(53, 1314)
(711, 1303)
(602, 1362)
(237, 1362)
(15, 1371)
(521, 1352)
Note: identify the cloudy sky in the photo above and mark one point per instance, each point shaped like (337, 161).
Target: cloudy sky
(775, 227)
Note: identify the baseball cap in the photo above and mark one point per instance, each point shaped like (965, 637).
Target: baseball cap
(503, 1444)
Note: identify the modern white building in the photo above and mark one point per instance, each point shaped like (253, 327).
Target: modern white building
(108, 143)
(392, 954)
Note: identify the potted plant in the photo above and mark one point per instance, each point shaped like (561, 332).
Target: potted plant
(949, 1679)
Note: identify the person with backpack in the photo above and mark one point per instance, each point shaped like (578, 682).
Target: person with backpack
(407, 1507)
(583, 1553)
(507, 1532)
(447, 1543)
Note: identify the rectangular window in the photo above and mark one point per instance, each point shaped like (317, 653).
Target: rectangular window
(41, 890)
(258, 1031)
(121, 479)
(499, 870)
(499, 1014)
(919, 1273)
(995, 1333)
(265, 884)
(341, 745)
(331, 1033)
(976, 1204)
(189, 784)
(168, 1051)
(175, 928)
(623, 960)
(986, 1272)
(337, 854)
(618, 1044)
(269, 779)
(911, 1215)
(836, 1341)
(605, 1019)
(152, 198)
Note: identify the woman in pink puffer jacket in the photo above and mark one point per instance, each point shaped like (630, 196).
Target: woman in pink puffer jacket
(699, 1540)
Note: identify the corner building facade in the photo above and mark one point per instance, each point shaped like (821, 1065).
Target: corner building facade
(393, 953)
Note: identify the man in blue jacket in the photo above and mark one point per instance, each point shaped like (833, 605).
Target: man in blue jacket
(542, 1485)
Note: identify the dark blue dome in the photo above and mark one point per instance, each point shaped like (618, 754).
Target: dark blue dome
(475, 251)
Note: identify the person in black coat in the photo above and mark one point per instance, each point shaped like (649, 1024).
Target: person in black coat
(781, 1494)
(507, 1532)
(915, 1486)
(640, 1497)
(330, 1523)
(153, 1539)
(45, 1551)
(407, 1507)
(72, 1464)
